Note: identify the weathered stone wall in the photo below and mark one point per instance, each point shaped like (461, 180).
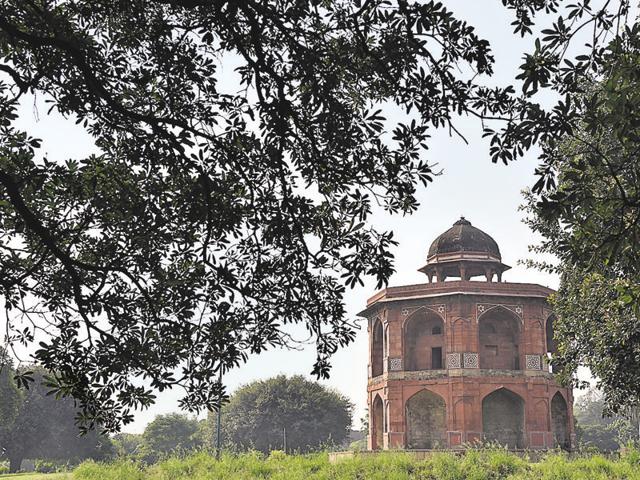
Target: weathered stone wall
(560, 420)
(499, 340)
(503, 418)
(426, 421)
(423, 332)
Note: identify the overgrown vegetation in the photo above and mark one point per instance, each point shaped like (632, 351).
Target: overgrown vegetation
(473, 465)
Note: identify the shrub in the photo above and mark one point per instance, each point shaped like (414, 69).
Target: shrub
(489, 464)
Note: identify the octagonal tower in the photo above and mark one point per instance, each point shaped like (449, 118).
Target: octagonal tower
(456, 361)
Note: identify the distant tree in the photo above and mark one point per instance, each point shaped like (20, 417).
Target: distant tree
(259, 414)
(597, 428)
(215, 214)
(10, 401)
(170, 433)
(364, 422)
(127, 444)
(45, 427)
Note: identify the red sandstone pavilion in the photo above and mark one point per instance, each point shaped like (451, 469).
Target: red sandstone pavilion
(454, 362)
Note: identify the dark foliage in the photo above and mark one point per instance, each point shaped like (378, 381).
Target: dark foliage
(223, 208)
(589, 216)
(45, 427)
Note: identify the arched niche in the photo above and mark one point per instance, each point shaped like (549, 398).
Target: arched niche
(560, 421)
(550, 337)
(499, 339)
(377, 423)
(503, 418)
(424, 341)
(426, 420)
(377, 349)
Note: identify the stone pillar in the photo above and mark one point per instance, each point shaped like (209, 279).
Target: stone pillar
(463, 273)
(488, 273)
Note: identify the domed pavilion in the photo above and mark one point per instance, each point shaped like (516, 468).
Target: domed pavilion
(457, 361)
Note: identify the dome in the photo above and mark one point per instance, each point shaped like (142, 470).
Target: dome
(464, 252)
(464, 237)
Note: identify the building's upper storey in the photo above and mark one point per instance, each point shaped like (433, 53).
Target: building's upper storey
(452, 323)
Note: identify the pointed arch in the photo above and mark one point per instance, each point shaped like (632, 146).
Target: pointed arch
(541, 418)
(503, 418)
(423, 340)
(550, 338)
(377, 349)
(499, 338)
(426, 420)
(550, 333)
(377, 423)
(560, 421)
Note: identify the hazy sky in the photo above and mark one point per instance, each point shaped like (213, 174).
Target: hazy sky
(487, 194)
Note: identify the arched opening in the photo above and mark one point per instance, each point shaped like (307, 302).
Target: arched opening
(426, 421)
(386, 341)
(377, 423)
(503, 418)
(499, 340)
(551, 342)
(424, 341)
(377, 351)
(560, 421)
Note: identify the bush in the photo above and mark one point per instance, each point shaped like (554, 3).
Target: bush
(50, 466)
(481, 464)
(4, 468)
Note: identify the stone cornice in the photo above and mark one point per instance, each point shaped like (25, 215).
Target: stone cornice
(458, 287)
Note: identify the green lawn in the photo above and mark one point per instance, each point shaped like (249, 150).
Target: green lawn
(37, 476)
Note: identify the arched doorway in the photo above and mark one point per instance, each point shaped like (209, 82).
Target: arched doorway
(560, 421)
(377, 350)
(551, 342)
(377, 424)
(499, 340)
(503, 418)
(426, 421)
(424, 341)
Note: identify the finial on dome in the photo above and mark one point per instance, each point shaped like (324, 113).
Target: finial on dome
(462, 221)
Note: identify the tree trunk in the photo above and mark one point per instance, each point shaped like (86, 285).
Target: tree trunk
(14, 464)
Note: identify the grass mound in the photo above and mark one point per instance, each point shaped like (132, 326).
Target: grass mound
(473, 465)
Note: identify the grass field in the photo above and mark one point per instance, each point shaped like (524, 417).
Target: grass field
(474, 465)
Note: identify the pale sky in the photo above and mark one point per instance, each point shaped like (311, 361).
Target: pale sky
(487, 194)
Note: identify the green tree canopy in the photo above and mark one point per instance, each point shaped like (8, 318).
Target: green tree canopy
(589, 217)
(260, 414)
(596, 428)
(10, 400)
(127, 444)
(170, 433)
(225, 204)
